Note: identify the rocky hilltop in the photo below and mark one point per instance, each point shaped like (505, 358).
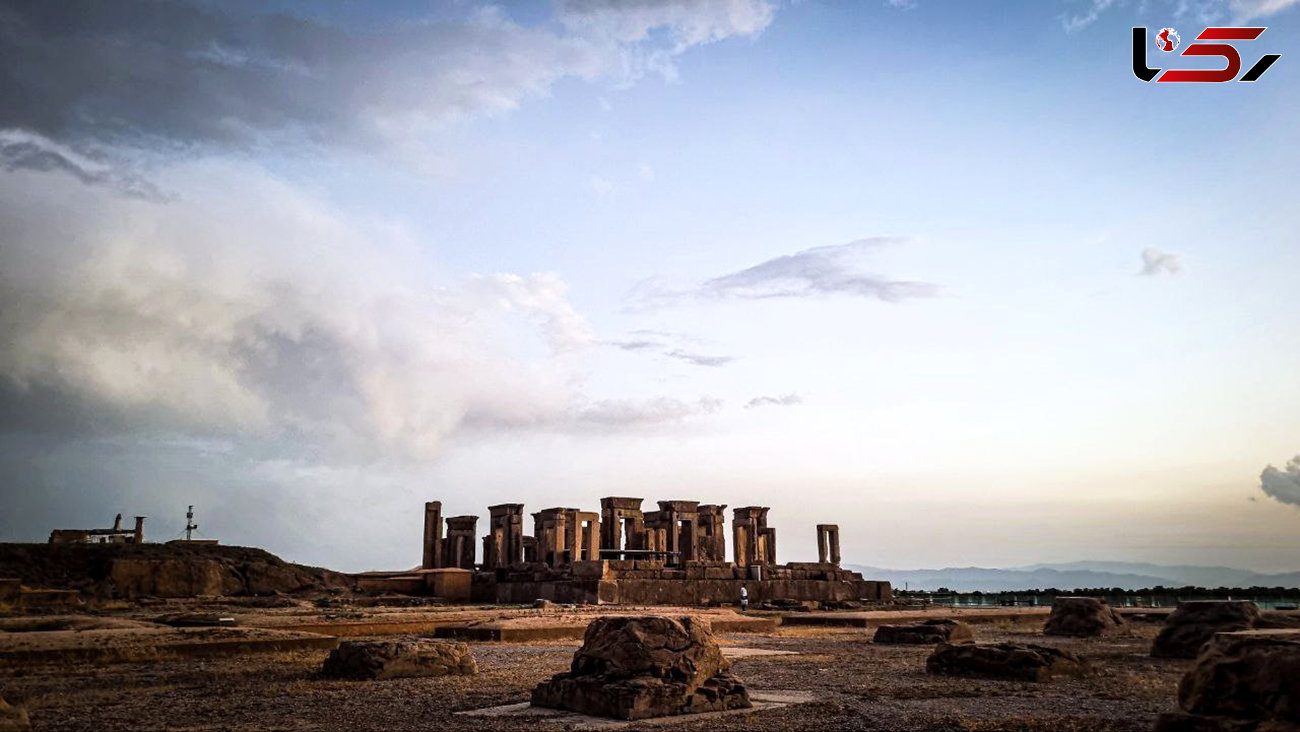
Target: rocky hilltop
(162, 570)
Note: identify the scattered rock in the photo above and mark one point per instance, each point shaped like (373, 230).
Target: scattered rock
(394, 659)
(633, 667)
(1246, 681)
(13, 718)
(1004, 661)
(1192, 624)
(1082, 617)
(938, 630)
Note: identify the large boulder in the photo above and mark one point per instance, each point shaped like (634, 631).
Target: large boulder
(393, 659)
(1247, 681)
(636, 667)
(1194, 623)
(1004, 661)
(930, 632)
(1082, 617)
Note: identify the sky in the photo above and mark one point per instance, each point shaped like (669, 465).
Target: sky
(944, 273)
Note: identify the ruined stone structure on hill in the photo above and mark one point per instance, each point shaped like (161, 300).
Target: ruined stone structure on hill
(677, 554)
(115, 535)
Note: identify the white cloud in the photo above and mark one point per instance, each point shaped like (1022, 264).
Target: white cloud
(1201, 11)
(1156, 262)
(1247, 10)
(246, 308)
(1074, 22)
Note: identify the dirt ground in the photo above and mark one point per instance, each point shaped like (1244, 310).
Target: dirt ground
(857, 685)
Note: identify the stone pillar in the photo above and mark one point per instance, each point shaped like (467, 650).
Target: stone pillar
(139, 530)
(590, 532)
(823, 551)
(459, 545)
(550, 531)
(614, 511)
(711, 532)
(677, 519)
(755, 540)
(432, 535)
(505, 543)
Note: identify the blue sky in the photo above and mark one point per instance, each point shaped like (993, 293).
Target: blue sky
(945, 273)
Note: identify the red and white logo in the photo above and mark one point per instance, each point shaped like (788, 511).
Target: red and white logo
(1168, 40)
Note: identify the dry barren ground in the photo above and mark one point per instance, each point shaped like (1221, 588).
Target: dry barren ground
(857, 685)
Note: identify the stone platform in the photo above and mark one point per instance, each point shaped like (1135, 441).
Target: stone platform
(761, 700)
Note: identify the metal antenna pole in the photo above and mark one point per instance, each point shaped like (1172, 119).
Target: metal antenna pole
(190, 526)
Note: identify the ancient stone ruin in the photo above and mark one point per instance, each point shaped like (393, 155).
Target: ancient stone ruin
(676, 555)
(1082, 617)
(394, 659)
(114, 535)
(641, 667)
(926, 632)
(1004, 661)
(1247, 681)
(1192, 624)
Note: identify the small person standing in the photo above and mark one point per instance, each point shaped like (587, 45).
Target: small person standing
(744, 598)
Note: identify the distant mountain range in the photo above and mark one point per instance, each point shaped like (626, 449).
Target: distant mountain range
(1125, 575)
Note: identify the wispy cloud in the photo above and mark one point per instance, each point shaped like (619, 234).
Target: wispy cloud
(1203, 11)
(644, 413)
(1282, 484)
(1078, 21)
(816, 272)
(22, 149)
(658, 342)
(1156, 262)
(635, 345)
(699, 359)
(782, 400)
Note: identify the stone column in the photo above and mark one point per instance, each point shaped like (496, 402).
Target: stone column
(505, 543)
(432, 535)
(139, 530)
(591, 538)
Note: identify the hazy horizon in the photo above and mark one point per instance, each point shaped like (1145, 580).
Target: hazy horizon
(954, 280)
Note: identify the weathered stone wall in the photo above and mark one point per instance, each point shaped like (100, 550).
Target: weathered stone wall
(651, 583)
